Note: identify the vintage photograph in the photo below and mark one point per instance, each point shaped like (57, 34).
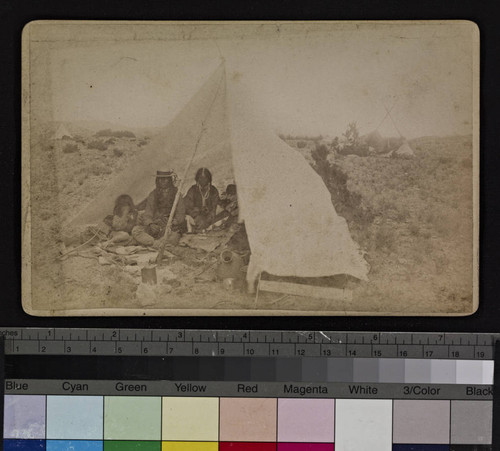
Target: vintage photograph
(250, 168)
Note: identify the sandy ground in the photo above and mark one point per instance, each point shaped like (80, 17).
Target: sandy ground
(417, 241)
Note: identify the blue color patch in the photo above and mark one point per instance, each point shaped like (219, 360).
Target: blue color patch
(74, 445)
(23, 445)
(420, 447)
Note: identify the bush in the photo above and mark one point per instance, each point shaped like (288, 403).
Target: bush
(116, 134)
(70, 148)
(385, 238)
(102, 133)
(99, 169)
(301, 144)
(142, 142)
(118, 152)
(99, 145)
(109, 141)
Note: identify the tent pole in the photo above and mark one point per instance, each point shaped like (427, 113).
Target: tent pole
(168, 228)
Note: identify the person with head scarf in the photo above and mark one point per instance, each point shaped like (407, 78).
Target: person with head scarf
(153, 221)
(201, 202)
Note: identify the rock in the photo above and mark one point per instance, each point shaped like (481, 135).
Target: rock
(133, 269)
(172, 283)
(103, 261)
(166, 274)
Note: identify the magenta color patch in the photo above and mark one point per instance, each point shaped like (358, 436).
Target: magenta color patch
(306, 420)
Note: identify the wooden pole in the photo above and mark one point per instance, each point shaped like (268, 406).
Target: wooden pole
(168, 228)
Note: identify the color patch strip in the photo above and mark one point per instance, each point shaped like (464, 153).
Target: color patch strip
(24, 416)
(242, 446)
(128, 445)
(471, 422)
(132, 418)
(193, 419)
(306, 447)
(248, 419)
(420, 447)
(74, 445)
(74, 417)
(23, 445)
(363, 424)
(421, 421)
(189, 446)
(306, 420)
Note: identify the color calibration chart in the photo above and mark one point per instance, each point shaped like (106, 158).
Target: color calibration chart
(89, 401)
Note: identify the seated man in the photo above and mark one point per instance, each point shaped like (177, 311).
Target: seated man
(153, 221)
(201, 202)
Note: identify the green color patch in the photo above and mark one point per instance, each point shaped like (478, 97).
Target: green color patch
(130, 445)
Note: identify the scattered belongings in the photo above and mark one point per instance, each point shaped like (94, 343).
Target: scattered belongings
(289, 235)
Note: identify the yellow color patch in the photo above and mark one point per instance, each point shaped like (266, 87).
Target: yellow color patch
(189, 446)
(190, 418)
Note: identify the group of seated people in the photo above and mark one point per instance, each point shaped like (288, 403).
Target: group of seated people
(195, 212)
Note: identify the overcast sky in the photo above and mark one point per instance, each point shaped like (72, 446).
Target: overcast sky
(314, 84)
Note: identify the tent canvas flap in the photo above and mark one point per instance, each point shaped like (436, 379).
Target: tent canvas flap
(292, 226)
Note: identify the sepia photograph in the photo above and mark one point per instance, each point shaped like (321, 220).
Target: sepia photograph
(250, 168)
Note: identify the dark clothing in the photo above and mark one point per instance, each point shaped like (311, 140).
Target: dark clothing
(159, 206)
(200, 207)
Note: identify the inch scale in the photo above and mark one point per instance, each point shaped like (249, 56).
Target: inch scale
(246, 343)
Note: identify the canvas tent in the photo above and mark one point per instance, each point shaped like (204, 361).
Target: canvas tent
(404, 151)
(61, 132)
(292, 226)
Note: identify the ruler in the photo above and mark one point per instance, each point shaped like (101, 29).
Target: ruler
(248, 343)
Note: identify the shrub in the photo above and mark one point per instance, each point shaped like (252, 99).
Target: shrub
(385, 238)
(99, 145)
(117, 134)
(301, 144)
(142, 142)
(102, 133)
(109, 141)
(123, 134)
(70, 148)
(99, 169)
(118, 152)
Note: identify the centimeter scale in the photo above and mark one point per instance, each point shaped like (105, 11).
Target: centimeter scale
(118, 389)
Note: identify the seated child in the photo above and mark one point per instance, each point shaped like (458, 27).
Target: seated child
(124, 220)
